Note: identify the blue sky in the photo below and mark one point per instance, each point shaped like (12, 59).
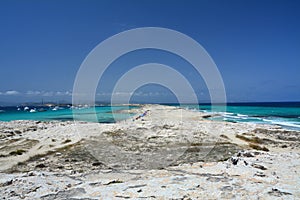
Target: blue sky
(255, 44)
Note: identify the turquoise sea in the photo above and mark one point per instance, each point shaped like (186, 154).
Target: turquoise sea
(286, 115)
(104, 114)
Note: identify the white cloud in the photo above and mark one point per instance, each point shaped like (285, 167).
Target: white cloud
(48, 94)
(33, 92)
(103, 94)
(11, 92)
(37, 93)
(68, 93)
(122, 93)
(62, 93)
(153, 94)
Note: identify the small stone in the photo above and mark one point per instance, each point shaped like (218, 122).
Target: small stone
(227, 188)
(260, 174)
(40, 165)
(6, 183)
(248, 154)
(17, 132)
(97, 164)
(234, 160)
(113, 182)
(278, 193)
(31, 174)
(259, 166)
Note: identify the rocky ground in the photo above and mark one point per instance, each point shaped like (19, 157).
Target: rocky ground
(169, 153)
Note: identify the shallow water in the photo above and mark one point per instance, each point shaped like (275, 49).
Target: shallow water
(102, 114)
(286, 115)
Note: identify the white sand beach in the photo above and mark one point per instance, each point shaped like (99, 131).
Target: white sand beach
(167, 153)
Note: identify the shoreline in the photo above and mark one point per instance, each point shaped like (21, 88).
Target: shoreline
(68, 150)
(283, 116)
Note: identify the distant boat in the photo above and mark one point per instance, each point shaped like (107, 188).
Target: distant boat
(57, 108)
(19, 109)
(32, 110)
(26, 108)
(42, 110)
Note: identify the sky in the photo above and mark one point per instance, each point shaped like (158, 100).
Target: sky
(255, 45)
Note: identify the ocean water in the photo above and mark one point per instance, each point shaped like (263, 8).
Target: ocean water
(284, 114)
(104, 114)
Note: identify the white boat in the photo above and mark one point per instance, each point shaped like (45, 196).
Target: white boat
(26, 108)
(32, 110)
(56, 108)
(42, 110)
